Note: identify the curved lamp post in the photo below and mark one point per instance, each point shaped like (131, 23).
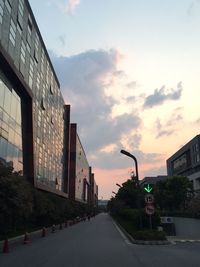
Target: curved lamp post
(134, 158)
(119, 185)
(137, 177)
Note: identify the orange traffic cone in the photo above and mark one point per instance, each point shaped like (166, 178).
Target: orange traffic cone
(44, 232)
(26, 238)
(5, 246)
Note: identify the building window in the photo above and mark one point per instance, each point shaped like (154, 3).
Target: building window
(23, 52)
(12, 34)
(8, 6)
(20, 13)
(1, 10)
(51, 89)
(42, 61)
(43, 104)
(22, 57)
(36, 51)
(31, 74)
(29, 33)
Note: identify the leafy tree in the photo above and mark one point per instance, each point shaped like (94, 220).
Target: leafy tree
(23, 207)
(130, 194)
(16, 202)
(174, 193)
(194, 206)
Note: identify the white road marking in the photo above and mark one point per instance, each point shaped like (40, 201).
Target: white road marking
(122, 234)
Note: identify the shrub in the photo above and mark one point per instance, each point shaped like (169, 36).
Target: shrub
(138, 218)
(149, 235)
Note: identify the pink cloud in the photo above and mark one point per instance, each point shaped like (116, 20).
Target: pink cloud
(71, 6)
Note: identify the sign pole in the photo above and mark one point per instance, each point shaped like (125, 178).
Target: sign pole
(150, 222)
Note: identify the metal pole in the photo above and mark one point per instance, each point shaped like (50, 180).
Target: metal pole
(135, 160)
(150, 222)
(137, 179)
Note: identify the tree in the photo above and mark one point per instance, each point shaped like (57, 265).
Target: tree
(129, 194)
(174, 193)
(194, 206)
(16, 201)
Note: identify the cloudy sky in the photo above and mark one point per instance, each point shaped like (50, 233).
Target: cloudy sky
(130, 70)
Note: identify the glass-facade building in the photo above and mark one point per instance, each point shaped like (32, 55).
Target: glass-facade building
(34, 121)
(79, 175)
(10, 126)
(31, 104)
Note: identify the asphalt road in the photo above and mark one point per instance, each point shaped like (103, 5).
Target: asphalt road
(98, 243)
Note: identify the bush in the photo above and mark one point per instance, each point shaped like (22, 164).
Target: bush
(149, 235)
(24, 208)
(138, 218)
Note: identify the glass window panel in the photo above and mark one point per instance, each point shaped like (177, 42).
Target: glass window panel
(1, 113)
(10, 152)
(3, 148)
(2, 3)
(4, 133)
(8, 6)
(2, 93)
(1, 14)
(20, 156)
(11, 136)
(15, 157)
(14, 105)
(17, 140)
(7, 100)
(20, 20)
(4, 126)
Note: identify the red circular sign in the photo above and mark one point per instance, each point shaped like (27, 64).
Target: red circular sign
(150, 209)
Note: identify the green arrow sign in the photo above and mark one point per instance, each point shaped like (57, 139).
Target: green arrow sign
(148, 188)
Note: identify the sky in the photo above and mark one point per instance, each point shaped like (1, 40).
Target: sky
(130, 71)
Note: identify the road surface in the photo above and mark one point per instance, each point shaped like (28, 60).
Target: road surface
(98, 243)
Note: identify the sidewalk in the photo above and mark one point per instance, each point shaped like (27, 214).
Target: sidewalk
(182, 239)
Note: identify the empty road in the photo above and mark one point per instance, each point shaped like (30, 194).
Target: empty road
(98, 243)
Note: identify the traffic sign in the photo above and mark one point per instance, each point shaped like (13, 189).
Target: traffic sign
(150, 209)
(149, 199)
(148, 188)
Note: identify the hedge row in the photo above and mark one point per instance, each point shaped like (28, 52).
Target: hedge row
(23, 207)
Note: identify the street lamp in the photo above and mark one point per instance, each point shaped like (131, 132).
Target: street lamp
(114, 193)
(136, 164)
(137, 178)
(118, 185)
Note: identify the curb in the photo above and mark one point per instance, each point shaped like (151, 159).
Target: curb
(186, 241)
(19, 240)
(142, 242)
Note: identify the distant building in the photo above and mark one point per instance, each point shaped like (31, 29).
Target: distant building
(102, 202)
(93, 198)
(102, 205)
(79, 178)
(186, 162)
(152, 179)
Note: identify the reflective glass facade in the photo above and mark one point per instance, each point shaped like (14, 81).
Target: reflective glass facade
(10, 127)
(34, 124)
(21, 42)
